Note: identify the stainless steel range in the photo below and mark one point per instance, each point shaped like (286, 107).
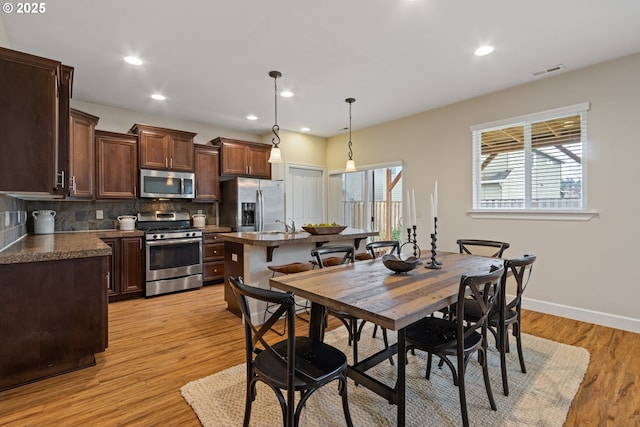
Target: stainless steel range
(173, 252)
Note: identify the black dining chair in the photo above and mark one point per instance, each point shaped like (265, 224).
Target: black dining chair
(379, 247)
(327, 253)
(296, 364)
(458, 338)
(376, 249)
(499, 322)
(491, 248)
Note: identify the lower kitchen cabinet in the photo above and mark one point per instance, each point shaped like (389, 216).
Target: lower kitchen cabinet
(126, 268)
(212, 258)
(53, 318)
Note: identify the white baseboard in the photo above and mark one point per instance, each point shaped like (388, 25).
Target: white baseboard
(597, 317)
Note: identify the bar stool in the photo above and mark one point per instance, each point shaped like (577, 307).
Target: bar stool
(291, 268)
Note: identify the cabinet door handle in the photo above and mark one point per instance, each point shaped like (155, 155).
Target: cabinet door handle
(171, 163)
(166, 163)
(73, 185)
(61, 183)
(108, 276)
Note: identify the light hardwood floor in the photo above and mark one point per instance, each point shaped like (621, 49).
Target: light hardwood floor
(157, 345)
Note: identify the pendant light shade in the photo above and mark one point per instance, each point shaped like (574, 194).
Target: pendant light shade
(276, 155)
(351, 164)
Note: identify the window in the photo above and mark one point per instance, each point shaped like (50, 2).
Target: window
(532, 162)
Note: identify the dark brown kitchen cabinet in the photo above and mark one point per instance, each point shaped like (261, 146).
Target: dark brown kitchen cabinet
(82, 157)
(126, 268)
(207, 170)
(243, 158)
(212, 258)
(116, 165)
(165, 149)
(53, 317)
(34, 99)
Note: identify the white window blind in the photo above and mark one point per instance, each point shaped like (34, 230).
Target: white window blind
(533, 162)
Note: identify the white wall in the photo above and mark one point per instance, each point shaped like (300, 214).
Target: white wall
(586, 269)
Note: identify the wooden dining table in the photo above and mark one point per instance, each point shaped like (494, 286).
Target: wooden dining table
(371, 292)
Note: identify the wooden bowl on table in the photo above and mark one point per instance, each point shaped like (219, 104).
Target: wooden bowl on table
(399, 265)
(317, 230)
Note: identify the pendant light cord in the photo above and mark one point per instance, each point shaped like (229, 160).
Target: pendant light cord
(350, 101)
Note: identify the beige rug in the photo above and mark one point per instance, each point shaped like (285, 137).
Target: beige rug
(541, 397)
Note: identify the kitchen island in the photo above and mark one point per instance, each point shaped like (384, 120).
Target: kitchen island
(249, 255)
(53, 305)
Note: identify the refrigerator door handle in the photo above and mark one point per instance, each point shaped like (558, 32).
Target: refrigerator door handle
(260, 213)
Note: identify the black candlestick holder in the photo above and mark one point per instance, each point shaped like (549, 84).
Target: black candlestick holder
(434, 263)
(412, 240)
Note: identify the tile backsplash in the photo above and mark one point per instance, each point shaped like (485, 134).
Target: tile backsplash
(13, 220)
(16, 215)
(84, 215)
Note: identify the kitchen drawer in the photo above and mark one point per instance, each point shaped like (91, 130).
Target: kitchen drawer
(213, 271)
(213, 252)
(212, 238)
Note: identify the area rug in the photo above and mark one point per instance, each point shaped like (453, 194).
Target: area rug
(541, 397)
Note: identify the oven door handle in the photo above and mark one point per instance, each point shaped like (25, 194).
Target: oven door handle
(172, 242)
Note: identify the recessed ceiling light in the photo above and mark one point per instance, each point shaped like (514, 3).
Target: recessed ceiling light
(133, 60)
(158, 97)
(286, 94)
(252, 117)
(305, 129)
(483, 50)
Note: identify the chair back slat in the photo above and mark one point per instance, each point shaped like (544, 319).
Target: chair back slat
(520, 269)
(471, 246)
(483, 288)
(255, 334)
(374, 247)
(348, 254)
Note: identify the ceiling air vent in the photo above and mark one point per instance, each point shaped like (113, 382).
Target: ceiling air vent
(548, 70)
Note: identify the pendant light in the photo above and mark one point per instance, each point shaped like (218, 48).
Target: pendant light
(351, 165)
(276, 156)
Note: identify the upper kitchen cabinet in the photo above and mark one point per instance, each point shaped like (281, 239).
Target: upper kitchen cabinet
(117, 165)
(82, 158)
(242, 158)
(165, 149)
(34, 101)
(207, 171)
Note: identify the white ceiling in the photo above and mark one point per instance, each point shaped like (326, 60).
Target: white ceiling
(211, 58)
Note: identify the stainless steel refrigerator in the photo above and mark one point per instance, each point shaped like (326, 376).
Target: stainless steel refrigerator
(250, 204)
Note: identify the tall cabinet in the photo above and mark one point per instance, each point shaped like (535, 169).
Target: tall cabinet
(82, 158)
(34, 101)
(117, 165)
(207, 170)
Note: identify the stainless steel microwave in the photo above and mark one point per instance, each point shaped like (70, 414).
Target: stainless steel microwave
(159, 184)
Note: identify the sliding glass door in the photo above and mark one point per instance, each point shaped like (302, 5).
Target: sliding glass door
(369, 199)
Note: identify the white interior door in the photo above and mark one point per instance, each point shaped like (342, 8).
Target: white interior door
(305, 195)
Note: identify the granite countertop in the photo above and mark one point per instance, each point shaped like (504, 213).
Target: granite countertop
(281, 239)
(49, 247)
(215, 229)
(71, 244)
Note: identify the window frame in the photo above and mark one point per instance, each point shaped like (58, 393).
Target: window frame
(528, 211)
